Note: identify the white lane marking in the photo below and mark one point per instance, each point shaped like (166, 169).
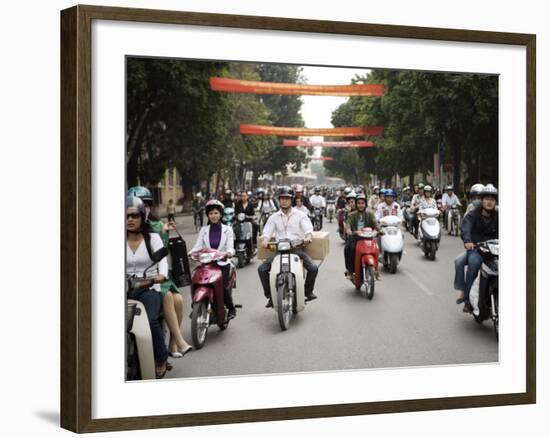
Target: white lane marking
(418, 283)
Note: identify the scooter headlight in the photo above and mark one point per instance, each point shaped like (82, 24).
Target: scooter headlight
(391, 231)
(366, 233)
(283, 246)
(206, 258)
(494, 249)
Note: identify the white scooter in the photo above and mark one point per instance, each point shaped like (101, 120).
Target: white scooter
(140, 361)
(391, 242)
(287, 281)
(429, 232)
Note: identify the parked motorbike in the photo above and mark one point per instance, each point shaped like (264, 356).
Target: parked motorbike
(317, 218)
(331, 210)
(429, 232)
(207, 294)
(391, 242)
(228, 216)
(140, 360)
(287, 281)
(244, 249)
(453, 221)
(366, 262)
(484, 291)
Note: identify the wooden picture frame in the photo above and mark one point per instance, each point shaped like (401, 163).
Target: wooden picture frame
(76, 198)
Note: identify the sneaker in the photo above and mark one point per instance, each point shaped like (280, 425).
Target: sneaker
(232, 313)
(269, 304)
(467, 308)
(311, 296)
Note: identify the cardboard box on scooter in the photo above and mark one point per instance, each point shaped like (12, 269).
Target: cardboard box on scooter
(318, 249)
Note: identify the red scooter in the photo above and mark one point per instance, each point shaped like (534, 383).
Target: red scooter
(207, 294)
(366, 261)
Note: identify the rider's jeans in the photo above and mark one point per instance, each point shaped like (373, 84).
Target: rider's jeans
(152, 301)
(464, 282)
(265, 268)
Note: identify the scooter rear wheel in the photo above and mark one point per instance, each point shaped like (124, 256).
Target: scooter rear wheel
(200, 321)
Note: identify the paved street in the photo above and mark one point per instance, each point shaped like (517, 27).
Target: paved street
(412, 321)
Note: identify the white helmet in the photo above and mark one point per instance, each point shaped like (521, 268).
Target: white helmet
(351, 194)
(489, 190)
(476, 189)
(428, 188)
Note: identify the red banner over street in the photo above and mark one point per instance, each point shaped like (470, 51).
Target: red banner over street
(322, 159)
(332, 144)
(305, 132)
(256, 87)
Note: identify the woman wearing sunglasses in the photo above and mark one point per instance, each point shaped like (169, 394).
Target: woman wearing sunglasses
(141, 243)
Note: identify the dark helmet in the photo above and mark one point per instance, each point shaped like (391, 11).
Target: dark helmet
(140, 192)
(285, 192)
(214, 204)
(135, 204)
(391, 193)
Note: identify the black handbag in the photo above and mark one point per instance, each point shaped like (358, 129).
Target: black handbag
(181, 273)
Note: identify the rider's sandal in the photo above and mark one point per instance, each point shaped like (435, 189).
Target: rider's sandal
(161, 374)
(184, 351)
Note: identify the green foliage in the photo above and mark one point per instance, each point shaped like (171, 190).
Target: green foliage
(424, 113)
(174, 119)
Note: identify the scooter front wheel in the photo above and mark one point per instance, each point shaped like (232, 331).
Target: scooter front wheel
(200, 321)
(394, 259)
(240, 260)
(284, 307)
(368, 281)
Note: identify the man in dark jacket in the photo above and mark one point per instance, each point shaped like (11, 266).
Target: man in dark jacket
(477, 226)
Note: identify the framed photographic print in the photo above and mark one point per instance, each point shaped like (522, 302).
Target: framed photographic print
(306, 214)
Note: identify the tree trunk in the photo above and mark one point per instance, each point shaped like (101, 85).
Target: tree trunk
(411, 179)
(457, 159)
(218, 177)
(187, 186)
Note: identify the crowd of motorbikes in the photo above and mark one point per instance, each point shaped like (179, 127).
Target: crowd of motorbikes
(287, 274)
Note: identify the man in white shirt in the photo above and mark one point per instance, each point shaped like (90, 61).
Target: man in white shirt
(288, 223)
(449, 199)
(389, 207)
(318, 201)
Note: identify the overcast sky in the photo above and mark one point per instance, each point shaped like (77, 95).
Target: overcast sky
(317, 110)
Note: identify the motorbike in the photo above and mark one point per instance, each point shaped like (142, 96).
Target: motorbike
(207, 294)
(331, 210)
(342, 215)
(261, 220)
(198, 217)
(366, 262)
(140, 360)
(429, 232)
(317, 218)
(408, 216)
(228, 215)
(391, 242)
(484, 291)
(287, 281)
(244, 249)
(454, 218)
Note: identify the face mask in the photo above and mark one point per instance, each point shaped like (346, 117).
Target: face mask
(476, 203)
(147, 212)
